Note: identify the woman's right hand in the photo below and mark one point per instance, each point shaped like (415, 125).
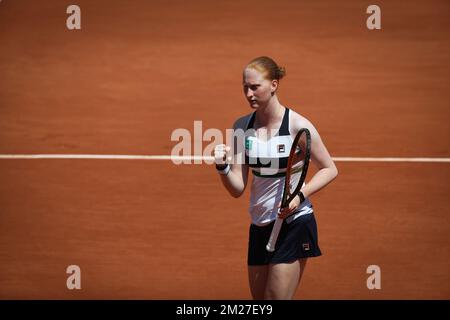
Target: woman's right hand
(222, 155)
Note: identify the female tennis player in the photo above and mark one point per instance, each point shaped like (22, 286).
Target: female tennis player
(269, 132)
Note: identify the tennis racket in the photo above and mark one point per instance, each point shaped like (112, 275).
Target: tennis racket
(298, 161)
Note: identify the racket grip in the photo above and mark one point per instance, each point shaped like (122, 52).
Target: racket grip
(274, 235)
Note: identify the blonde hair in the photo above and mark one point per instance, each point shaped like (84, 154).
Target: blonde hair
(267, 66)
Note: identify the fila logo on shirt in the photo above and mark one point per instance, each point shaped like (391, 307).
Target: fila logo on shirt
(281, 148)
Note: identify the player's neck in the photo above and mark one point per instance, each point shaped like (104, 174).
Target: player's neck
(271, 113)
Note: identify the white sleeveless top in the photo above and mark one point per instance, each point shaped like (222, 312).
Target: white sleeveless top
(268, 162)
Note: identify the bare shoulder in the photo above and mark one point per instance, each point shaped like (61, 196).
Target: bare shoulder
(242, 122)
(297, 121)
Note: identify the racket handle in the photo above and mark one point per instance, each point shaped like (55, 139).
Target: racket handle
(274, 235)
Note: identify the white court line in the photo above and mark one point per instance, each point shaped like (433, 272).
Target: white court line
(181, 158)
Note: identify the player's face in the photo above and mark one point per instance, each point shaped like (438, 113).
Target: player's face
(257, 89)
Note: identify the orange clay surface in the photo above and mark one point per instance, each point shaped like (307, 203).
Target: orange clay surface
(137, 70)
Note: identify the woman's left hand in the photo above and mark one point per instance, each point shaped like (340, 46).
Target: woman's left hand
(286, 212)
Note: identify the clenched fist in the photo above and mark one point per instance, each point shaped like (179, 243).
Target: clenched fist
(222, 154)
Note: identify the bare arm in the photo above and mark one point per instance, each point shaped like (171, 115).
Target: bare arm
(236, 179)
(321, 158)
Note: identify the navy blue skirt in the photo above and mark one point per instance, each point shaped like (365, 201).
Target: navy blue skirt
(297, 239)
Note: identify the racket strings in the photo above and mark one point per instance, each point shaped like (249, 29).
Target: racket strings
(297, 163)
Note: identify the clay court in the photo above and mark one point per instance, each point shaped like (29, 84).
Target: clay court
(150, 229)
